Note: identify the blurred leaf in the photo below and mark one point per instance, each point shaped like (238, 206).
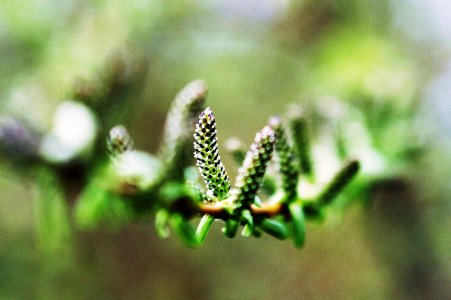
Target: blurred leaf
(247, 231)
(275, 228)
(184, 230)
(97, 206)
(298, 222)
(161, 223)
(53, 230)
(230, 228)
(203, 228)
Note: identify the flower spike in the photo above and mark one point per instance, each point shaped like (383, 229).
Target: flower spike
(250, 175)
(301, 139)
(207, 156)
(286, 158)
(180, 125)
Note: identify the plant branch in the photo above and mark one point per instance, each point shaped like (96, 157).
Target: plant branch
(220, 210)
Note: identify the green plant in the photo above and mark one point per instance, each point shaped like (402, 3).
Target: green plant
(168, 185)
(133, 185)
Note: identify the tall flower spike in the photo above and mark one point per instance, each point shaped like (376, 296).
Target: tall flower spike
(250, 175)
(286, 158)
(301, 139)
(207, 156)
(119, 141)
(179, 126)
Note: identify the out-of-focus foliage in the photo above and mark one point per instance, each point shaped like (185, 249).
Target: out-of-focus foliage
(371, 75)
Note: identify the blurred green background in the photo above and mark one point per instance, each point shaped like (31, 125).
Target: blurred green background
(389, 62)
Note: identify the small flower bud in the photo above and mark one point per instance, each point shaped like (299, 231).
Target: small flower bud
(119, 141)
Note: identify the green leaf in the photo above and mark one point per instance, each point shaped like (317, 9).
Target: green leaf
(97, 206)
(275, 228)
(256, 232)
(298, 223)
(181, 195)
(247, 216)
(203, 228)
(184, 230)
(161, 223)
(54, 234)
(195, 191)
(247, 231)
(230, 227)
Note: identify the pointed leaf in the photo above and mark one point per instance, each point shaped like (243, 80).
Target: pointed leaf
(230, 227)
(51, 214)
(275, 228)
(298, 222)
(203, 228)
(161, 223)
(184, 230)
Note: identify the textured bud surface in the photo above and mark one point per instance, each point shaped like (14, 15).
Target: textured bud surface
(286, 158)
(180, 125)
(301, 139)
(207, 156)
(339, 182)
(186, 106)
(250, 175)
